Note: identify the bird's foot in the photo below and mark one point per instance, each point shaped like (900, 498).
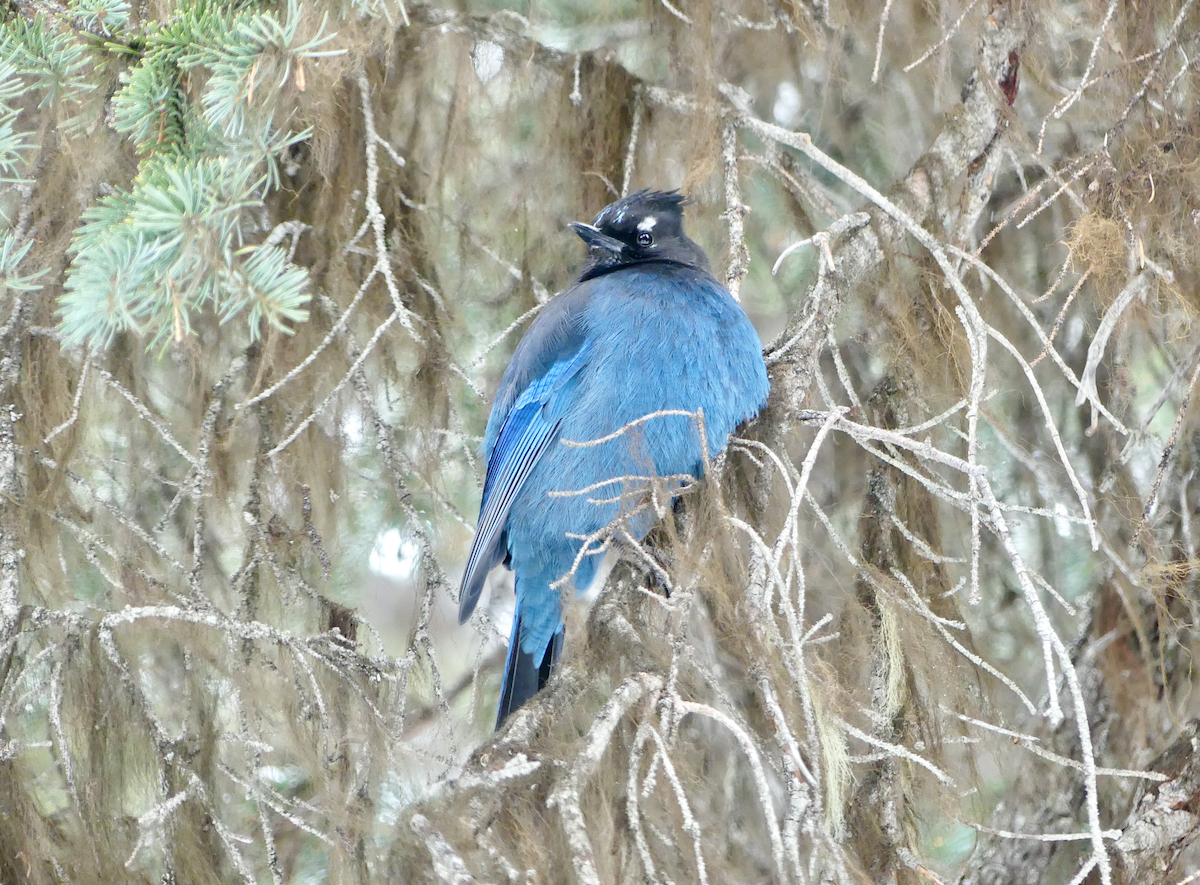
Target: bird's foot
(653, 562)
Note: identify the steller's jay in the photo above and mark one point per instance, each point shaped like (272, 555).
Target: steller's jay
(646, 328)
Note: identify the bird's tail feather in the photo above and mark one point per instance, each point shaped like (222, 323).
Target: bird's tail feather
(524, 674)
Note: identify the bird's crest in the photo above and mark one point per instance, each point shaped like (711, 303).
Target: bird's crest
(640, 204)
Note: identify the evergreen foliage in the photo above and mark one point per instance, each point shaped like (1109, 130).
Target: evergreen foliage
(54, 63)
(12, 140)
(147, 260)
(181, 239)
(11, 256)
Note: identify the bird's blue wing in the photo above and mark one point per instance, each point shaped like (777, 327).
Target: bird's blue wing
(555, 336)
(526, 432)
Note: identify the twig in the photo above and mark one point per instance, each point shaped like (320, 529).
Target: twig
(566, 795)
(883, 19)
(79, 387)
(945, 37)
(383, 260)
(1065, 103)
(734, 214)
(631, 151)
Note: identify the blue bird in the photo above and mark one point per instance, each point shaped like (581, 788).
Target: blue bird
(646, 328)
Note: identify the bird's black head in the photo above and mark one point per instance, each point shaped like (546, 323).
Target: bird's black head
(644, 226)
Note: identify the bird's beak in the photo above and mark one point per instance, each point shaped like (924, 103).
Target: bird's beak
(597, 240)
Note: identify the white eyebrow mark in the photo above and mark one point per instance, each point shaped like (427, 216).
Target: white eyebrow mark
(648, 223)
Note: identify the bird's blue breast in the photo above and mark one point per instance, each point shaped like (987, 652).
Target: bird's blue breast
(639, 340)
(662, 338)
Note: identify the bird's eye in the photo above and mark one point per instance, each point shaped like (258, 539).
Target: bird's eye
(644, 239)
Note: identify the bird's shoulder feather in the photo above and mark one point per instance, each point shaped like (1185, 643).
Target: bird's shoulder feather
(555, 336)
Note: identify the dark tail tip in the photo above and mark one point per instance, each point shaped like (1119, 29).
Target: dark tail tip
(524, 676)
